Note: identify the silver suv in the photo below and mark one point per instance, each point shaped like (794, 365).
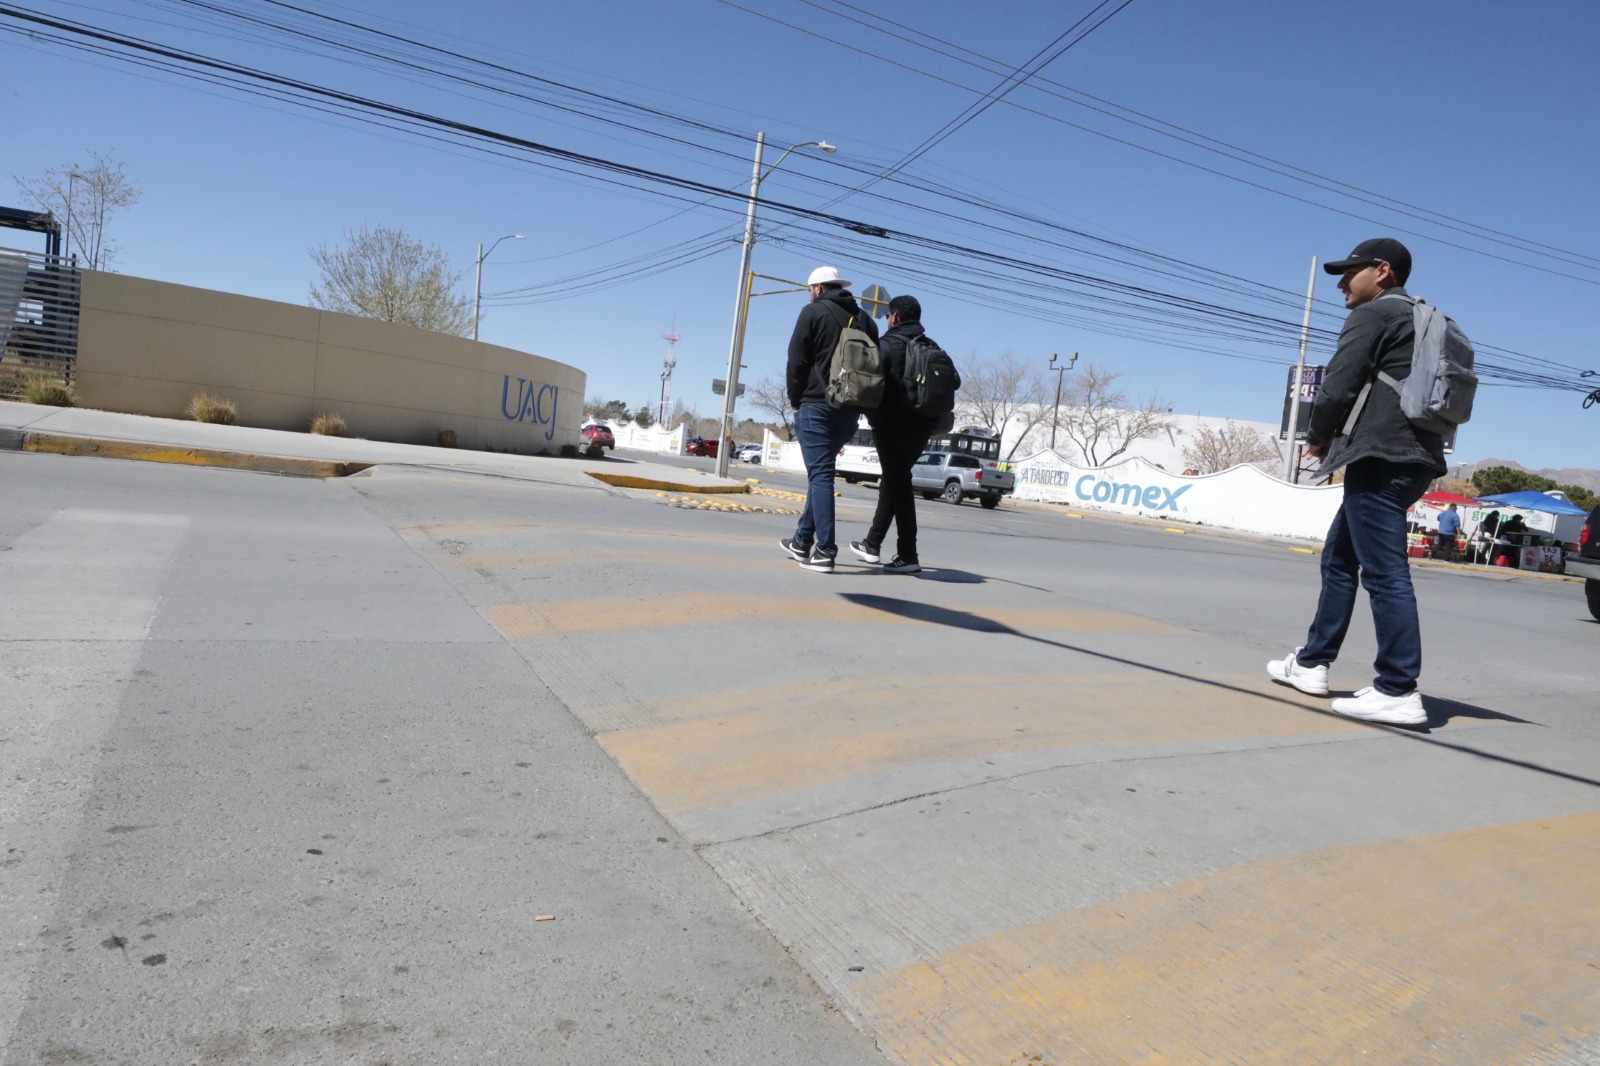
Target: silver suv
(959, 477)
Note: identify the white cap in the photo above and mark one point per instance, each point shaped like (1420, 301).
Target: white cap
(827, 276)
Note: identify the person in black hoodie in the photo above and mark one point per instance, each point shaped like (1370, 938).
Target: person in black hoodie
(821, 428)
(1357, 424)
(900, 434)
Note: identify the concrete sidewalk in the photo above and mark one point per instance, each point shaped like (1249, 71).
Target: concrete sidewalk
(109, 434)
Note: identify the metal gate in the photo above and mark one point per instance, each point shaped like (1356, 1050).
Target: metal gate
(39, 300)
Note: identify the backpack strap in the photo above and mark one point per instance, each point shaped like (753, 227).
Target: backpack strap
(1393, 382)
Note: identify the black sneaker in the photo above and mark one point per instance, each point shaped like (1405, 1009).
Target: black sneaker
(865, 553)
(798, 551)
(819, 560)
(898, 565)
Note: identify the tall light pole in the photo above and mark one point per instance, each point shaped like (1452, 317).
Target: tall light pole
(1291, 466)
(1055, 416)
(741, 304)
(72, 177)
(477, 283)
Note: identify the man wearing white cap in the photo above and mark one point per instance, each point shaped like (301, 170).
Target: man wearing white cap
(821, 428)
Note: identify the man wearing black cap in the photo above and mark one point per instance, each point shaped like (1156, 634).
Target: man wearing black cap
(1388, 463)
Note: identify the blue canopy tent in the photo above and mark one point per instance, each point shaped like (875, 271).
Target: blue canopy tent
(1529, 500)
(1545, 514)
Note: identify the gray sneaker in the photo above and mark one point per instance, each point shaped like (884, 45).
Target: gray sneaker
(819, 560)
(798, 551)
(865, 552)
(898, 565)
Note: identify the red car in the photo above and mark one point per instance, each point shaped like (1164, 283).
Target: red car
(706, 446)
(601, 435)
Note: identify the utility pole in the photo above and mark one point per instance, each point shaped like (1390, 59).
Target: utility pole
(1291, 462)
(1055, 415)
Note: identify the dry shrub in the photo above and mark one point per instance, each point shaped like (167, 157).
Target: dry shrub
(328, 425)
(447, 438)
(214, 409)
(48, 391)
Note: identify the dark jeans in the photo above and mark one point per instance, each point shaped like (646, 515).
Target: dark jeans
(897, 451)
(1368, 541)
(821, 431)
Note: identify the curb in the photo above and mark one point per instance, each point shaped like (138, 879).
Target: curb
(59, 444)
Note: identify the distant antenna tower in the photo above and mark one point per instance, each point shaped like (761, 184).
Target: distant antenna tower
(672, 337)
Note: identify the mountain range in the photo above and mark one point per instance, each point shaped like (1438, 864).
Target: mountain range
(1580, 476)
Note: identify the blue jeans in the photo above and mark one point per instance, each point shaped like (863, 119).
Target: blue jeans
(821, 431)
(1368, 541)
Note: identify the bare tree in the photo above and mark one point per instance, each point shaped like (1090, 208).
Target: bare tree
(1097, 419)
(1002, 393)
(383, 273)
(1232, 445)
(771, 395)
(83, 199)
(598, 410)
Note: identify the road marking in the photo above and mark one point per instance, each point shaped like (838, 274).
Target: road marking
(1478, 946)
(724, 759)
(523, 621)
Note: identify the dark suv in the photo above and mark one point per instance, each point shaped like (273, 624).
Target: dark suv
(1586, 564)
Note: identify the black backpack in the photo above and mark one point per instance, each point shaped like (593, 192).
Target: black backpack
(931, 379)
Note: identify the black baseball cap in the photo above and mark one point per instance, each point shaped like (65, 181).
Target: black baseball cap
(1377, 250)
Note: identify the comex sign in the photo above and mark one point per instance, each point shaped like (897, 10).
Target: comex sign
(1097, 488)
(530, 405)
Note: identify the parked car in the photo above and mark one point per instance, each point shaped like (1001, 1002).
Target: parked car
(958, 477)
(1586, 563)
(749, 453)
(706, 446)
(595, 433)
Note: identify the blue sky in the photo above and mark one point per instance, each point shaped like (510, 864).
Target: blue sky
(1456, 108)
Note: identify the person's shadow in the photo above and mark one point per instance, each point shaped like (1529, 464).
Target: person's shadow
(1440, 711)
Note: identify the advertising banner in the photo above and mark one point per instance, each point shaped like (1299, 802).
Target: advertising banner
(1242, 498)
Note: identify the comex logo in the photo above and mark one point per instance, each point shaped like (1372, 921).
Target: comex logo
(530, 405)
(1126, 493)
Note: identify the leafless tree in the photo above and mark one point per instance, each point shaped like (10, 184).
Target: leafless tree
(383, 273)
(771, 395)
(1232, 445)
(1004, 394)
(1096, 417)
(83, 199)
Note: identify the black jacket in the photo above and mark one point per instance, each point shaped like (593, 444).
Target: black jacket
(1376, 336)
(894, 414)
(816, 335)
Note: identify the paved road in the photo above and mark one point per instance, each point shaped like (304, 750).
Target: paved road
(298, 765)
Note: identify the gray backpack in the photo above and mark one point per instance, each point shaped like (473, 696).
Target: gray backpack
(1437, 395)
(855, 376)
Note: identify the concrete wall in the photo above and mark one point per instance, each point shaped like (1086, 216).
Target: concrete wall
(147, 347)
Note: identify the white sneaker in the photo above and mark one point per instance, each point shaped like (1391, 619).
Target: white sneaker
(1370, 705)
(1312, 680)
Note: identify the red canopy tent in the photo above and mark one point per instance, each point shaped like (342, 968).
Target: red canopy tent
(1444, 499)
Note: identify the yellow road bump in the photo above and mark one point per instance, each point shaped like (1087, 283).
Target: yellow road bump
(1478, 946)
(719, 760)
(1173, 529)
(1304, 551)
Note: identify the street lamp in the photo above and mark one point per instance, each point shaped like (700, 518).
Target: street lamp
(477, 284)
(72, 177)
(1055, 416)
(741, 304)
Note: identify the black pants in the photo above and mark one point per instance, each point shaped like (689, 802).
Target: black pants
(897, 451)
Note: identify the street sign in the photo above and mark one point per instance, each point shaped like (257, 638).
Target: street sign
(1310, 383)
(719, 387)
(876, 300)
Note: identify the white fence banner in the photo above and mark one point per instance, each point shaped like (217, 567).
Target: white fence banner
(633, 437)
(1242, 498)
